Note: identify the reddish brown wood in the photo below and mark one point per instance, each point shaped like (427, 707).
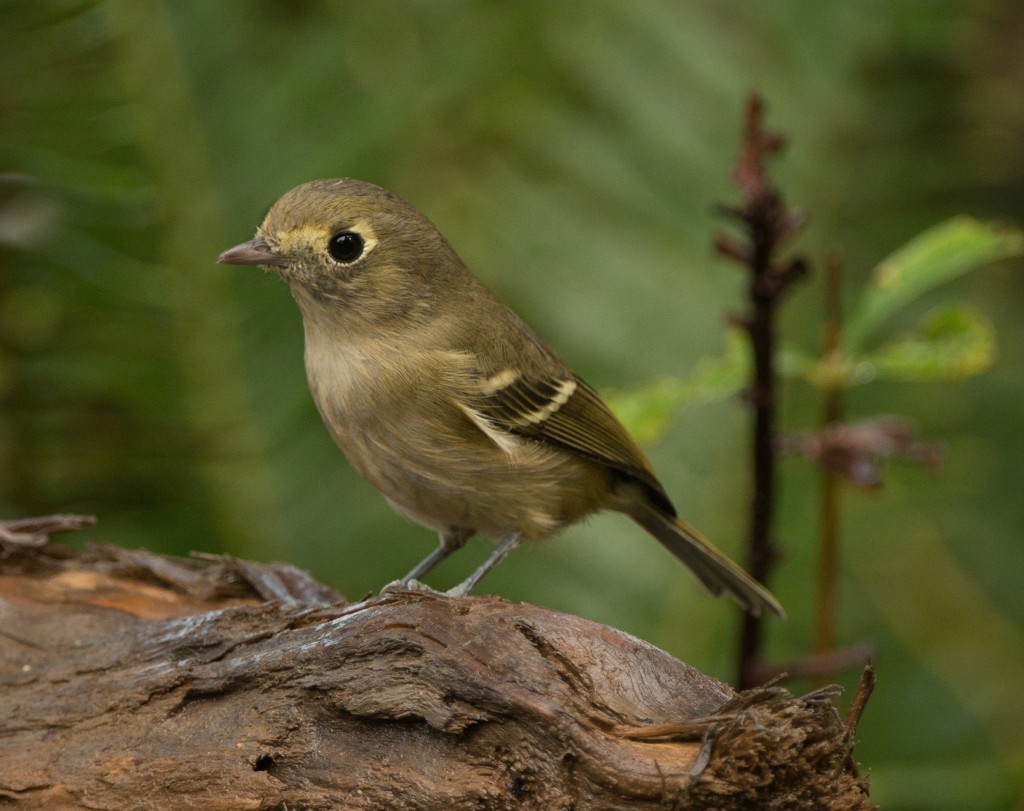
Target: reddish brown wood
(133, 681)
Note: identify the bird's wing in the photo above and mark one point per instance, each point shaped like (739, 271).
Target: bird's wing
(561, 409)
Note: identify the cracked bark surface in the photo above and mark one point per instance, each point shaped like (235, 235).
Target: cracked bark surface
(135, 681)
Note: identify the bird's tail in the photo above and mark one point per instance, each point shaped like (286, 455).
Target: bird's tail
(713, 569)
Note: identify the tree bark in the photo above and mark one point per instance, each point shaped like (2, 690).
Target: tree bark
(135, 681)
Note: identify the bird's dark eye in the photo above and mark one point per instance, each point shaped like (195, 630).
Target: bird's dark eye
(346, 247)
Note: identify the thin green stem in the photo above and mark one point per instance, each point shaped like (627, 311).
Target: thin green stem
(827, 613)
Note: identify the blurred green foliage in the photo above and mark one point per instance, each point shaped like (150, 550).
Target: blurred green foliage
(573, 154)
(951, 342)
(939, 255)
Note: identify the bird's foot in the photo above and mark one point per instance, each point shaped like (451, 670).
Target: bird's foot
(461, 590)
(409, 585)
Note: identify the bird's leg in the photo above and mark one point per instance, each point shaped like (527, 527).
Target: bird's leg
(451, 540)
(506, 545)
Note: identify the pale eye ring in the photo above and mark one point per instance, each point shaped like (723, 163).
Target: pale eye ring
(346, 247)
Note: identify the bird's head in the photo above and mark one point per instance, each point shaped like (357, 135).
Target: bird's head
(351, 246)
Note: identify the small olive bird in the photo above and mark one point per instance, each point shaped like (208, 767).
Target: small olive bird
(444, 400)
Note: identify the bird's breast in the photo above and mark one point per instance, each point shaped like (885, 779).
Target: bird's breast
(398, 419)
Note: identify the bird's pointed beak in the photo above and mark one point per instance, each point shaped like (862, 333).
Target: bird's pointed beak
(254, 252)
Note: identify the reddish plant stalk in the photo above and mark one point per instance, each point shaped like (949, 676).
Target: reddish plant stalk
(768, 223)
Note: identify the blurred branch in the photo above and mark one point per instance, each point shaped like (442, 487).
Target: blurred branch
(816, 666)
(827, 614)
(768, 224)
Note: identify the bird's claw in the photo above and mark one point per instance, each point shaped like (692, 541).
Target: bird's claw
(409, 585)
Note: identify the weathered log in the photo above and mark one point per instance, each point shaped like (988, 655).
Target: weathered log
(136, 681)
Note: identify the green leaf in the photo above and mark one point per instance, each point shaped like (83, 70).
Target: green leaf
(938, 255)
(648, 411)
(952, 343)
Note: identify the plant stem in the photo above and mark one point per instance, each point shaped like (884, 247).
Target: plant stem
(761, 551)
(827, 614)
(768, 223)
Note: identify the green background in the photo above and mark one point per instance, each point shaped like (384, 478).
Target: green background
(573, 153)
